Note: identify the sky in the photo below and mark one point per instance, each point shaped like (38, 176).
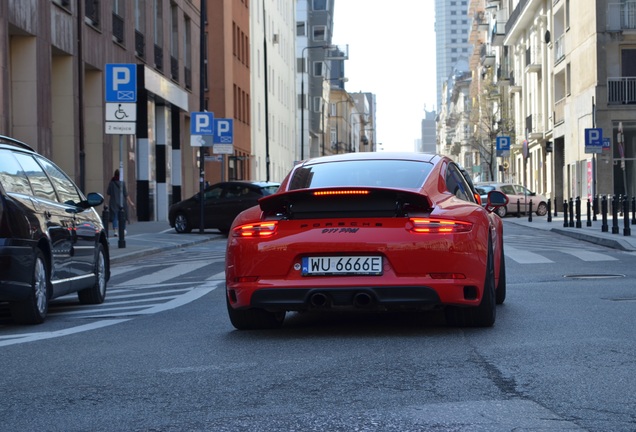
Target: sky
(391, 54)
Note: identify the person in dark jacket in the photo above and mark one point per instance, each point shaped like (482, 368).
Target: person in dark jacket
(114, 193)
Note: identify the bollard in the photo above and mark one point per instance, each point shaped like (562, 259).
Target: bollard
(589, 216)
(121, 242)
(578, 212)
(626, 229)
(518, 208)
(105, 219)
(555, 207)
(550, 210)
(633, 210)
(530, 212)
(604, 227)
(565, 214)
(571, 209)
(615, 229)
(595, 207)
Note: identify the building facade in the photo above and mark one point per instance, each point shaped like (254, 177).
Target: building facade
(53, 57)
(273, 80)
(452, 27)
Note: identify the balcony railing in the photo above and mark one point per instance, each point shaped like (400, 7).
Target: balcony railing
(621, 90)
(174, 68)
(118, 28)
(140, 44)
(559, 111)
(514, 16)
(621, 16)
(159, 57)
(559, 49)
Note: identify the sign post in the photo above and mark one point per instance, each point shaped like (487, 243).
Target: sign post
(121, 118)
(201, 131)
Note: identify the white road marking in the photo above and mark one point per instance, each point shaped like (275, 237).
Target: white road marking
(588, 255)
(525, 257)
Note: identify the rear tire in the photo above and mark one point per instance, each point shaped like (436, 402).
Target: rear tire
(483, 315)
(97, 293)
(33, 310)
(500, 293)
(254, 319)
(181, 224)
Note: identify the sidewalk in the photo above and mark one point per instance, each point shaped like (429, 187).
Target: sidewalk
(146, 238)
(593, 234)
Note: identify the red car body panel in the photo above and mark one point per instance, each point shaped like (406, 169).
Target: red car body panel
(417, 260)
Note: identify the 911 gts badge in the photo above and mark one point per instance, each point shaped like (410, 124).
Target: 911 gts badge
(340, 230)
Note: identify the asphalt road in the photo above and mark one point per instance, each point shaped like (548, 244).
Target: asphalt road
(161, 355)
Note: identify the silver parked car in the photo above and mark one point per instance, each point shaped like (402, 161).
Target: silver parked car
(516, 193)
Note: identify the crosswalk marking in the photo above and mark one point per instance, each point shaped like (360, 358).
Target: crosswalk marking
(524, 256)
(586, 255)
(168, 272)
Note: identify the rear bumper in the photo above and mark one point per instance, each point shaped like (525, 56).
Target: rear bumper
(371, 298)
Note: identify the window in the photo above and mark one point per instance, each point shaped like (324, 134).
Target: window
(12, 176)
(318, 68)
(320, 4)
(174, 34)
(334, 136)
(158, 24)
(42, 187)
(457, 185)
(319, 33)
(301, 28)
(91, 11)
(317, 104)
(65, 189)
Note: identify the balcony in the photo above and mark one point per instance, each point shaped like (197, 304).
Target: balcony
(533, 61)
(498, 34)
(621, 91)
(621, 16)
(487, 56)
(482, 22)
(534, 126)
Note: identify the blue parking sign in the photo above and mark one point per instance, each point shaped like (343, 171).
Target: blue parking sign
(202, 123)
(223, 131)
(121, 82)
(503, 143)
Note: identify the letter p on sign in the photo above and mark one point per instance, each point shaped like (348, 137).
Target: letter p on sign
(202, 123)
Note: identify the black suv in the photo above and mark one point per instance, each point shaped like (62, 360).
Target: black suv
(52, 240)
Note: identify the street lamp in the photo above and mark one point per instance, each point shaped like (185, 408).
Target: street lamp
(302, 96)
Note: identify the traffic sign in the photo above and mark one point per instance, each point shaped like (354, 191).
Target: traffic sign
(126, 112)
(120, 128)
(202, 123)
(121, 82)
(503, 143)
(593, 140)
(223, 131)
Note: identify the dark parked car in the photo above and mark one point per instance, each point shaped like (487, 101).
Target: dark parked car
(222, 203)
(52, 240)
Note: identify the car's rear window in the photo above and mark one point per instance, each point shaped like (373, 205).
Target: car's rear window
(372, 173)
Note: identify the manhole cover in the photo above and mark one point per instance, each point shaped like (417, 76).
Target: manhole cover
(594, 276)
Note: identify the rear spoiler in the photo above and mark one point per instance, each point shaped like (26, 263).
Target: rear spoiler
(344, 202)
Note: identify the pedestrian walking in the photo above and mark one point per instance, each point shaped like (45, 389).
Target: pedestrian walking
(114, 192)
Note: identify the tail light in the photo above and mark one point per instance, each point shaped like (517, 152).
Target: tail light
(342, 192)
(438, 226)
(260, 229)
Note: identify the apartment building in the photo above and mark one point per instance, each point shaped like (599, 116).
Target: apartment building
(314, 33)
(564, 68)
(273, 88)
(53, 57)
(452, 26)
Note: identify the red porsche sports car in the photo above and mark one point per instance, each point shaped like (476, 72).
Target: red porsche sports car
(375, 231)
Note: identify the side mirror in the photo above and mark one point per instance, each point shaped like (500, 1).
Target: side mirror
(94, 199)
(496, 199)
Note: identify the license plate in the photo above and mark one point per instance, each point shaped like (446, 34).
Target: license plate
(342, 265)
